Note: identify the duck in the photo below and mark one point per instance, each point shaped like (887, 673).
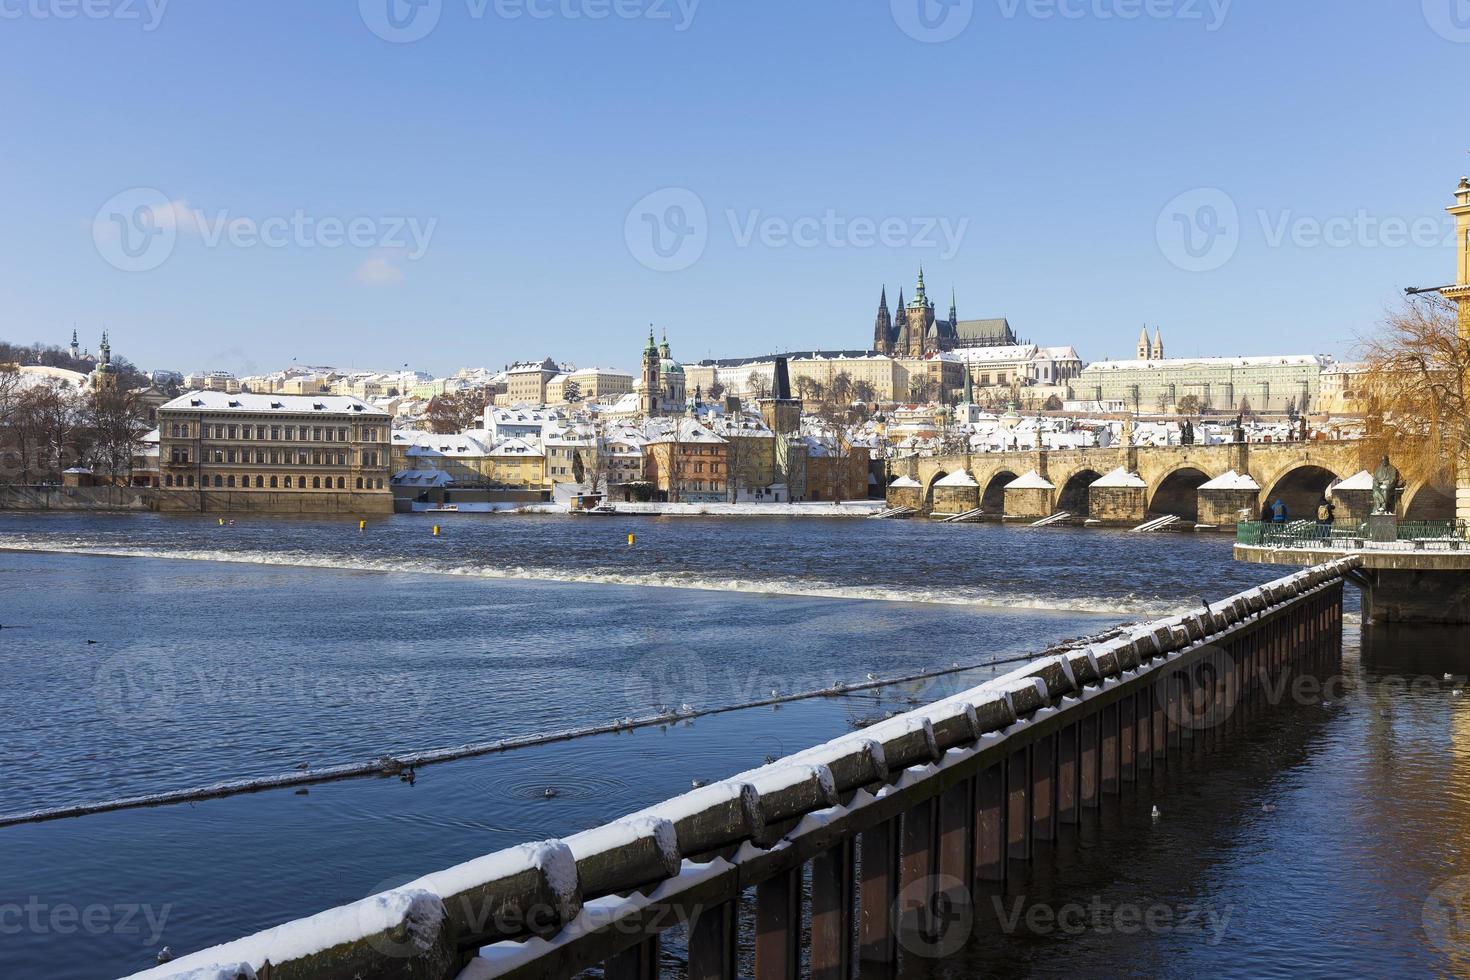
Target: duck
(304, 766)
(550, 793)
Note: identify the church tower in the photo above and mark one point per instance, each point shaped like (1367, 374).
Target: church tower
(1157, 353)
(1143, 347)
(899, 347)
(105, 376)
(954, 308)
(649, 401)
(920, 319)
(883, 327)
(75, 350)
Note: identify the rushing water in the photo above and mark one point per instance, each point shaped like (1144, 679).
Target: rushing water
(224, 652)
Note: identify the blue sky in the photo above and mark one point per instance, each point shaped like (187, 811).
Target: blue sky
(1066, 147)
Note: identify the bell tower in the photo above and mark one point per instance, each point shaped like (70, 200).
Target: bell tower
(649, 402)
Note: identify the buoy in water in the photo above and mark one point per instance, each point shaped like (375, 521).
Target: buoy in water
(362, 525)
(436, 530)
(632, 541)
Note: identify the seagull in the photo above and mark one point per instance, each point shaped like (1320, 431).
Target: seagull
(770, 760)
(697, 783)
(304, 766)
(1157, 812)
(872, 677)
(165, 954)
(775, 693)
(1457, 692)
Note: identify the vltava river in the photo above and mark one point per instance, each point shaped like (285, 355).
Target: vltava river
(1308, 845)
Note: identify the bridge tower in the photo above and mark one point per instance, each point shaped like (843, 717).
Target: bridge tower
(1460, 293)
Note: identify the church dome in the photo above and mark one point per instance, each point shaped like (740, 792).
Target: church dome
(670, 366)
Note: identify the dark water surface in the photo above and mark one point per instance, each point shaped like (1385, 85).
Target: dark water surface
(247, 650)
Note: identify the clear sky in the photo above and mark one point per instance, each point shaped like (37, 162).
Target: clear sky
(549, 177)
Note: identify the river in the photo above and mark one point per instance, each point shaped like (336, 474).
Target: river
(146, 654)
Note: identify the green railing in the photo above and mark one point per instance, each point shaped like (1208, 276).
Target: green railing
(1309, 534)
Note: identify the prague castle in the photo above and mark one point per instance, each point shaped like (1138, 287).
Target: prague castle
(916, 330)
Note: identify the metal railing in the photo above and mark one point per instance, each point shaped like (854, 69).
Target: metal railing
(832, 858)
(1310, 534)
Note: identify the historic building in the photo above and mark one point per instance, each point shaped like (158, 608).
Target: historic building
(916, 330)
(269, 453)
(1154, 383)
(662, 386)
(104, 377)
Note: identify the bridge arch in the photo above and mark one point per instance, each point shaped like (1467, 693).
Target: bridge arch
(993, 499)
(1429, 502)
(929, 488)
(1074, 496)
(1177, 493)
(1301, 489)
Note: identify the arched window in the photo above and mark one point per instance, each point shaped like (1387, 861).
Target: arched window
(273, 482)
(218, 481)
(316, 483)
(341, 483)
(259, 482)
(230, 480)
(359, 483)
(380, 484)
(168, 481)
(288, 483)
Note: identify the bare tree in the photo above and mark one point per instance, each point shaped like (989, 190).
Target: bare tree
(864, 391)
(716, 390)
(1415, 380)
(759, 386)
(116, 422)
(451, 413)
(1189, 405)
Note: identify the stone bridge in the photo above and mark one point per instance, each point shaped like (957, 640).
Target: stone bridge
(1171, 478)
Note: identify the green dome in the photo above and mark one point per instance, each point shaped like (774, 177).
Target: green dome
(671, 366)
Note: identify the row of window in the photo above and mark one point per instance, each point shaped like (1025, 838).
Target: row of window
(300, 457)
(275, 433)
(274, 483)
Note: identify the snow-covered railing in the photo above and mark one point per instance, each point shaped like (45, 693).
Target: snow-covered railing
(934, 802)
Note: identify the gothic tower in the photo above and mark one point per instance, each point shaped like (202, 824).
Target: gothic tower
(954, 309)
(883, 327)
(920, 319)
(649, 402)
(899, 345)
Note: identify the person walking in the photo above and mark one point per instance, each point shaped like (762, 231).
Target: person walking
(1279, 513)
(1326, 517)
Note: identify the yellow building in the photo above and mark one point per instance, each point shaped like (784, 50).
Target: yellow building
(270, 449)
(515, 463)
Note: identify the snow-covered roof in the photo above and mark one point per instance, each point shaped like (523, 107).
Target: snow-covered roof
(1358, 481)
(1031, 481)
(515, 447)
(1120, 477)
(1285, 360)
(686, 430)
(905, 483)
(423, 478)
(959, 478)
(245, 402)
(420, 442)
(1231, 481)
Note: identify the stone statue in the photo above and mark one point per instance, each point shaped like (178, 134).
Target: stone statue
(1385, 488)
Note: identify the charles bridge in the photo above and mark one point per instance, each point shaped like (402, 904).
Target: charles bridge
(1162, 480)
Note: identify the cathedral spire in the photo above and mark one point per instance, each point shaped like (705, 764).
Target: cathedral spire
(954, 307)
(883, 326)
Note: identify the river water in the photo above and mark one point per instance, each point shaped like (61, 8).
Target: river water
(144, 655)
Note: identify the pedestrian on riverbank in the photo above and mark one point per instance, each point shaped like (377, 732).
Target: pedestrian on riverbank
(1279, 513)
(1326, 517)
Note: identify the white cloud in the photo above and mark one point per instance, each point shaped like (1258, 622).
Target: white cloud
(379, 271)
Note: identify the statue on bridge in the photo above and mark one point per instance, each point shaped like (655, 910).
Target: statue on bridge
(1385, 488)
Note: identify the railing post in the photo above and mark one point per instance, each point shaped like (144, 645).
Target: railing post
(990, 825)
(1018, 809)
(712, 938)
(778, 927)
(1044, 788)
(877, 893)
(1128, 739)
(1088, 756)
(1109, 722)
(1068, 772)
(832, 932)
(638, 963)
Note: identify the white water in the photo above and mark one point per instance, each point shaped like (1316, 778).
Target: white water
(954, 596)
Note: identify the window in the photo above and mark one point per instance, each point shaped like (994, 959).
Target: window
(341, 483)
(260, 432)
(259, 482)
(273, 482)
(316, 483)
(168, 481)
(190, 480)
(218, 481)
(229, 456)
(359, 483)
(230, 481)
(380, 484)
(232, 432)
(288, 483)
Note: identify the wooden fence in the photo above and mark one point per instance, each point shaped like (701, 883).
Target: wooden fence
(852, 850)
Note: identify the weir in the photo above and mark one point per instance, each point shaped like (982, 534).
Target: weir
(851, 855)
